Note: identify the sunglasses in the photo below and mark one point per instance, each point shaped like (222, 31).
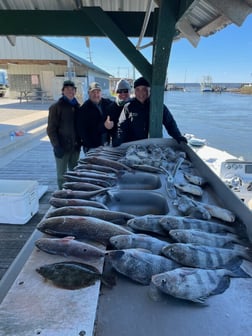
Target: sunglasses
(122, 91)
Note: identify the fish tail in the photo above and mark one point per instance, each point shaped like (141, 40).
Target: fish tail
(238, 271)
(108, 277)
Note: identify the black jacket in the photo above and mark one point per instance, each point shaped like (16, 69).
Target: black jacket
(134, 122)
(114, 110)
(61, 127)
(90, 123)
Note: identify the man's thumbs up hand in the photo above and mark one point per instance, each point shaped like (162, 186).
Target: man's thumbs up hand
(108, 123)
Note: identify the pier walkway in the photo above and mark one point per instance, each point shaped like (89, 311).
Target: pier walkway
(25, 157)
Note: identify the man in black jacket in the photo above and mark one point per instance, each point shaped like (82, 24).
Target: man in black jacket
(61, 130)
(134, 120)
(92, 122)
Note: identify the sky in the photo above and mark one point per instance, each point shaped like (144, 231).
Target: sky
(225, 56)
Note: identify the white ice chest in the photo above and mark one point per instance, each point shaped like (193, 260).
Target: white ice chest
(19, 201)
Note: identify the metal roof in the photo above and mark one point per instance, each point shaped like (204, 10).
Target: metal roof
(199, 17)
(76, 58)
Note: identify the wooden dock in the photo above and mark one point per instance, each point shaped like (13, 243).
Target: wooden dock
(31, 161)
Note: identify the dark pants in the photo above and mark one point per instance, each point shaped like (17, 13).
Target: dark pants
(67, 162)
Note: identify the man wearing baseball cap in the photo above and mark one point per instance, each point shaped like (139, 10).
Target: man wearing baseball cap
(134, 120)
(61, 130)
(92, 123)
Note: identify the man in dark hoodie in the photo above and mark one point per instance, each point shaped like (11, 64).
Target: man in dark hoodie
(61, 130)
(134, 120)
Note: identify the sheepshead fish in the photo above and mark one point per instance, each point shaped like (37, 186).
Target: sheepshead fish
(72, 275)
(190, 208)
(204, 238)
(148, 223)
(68, 246)
(143, 241)
(175, 222)
(195, 255)
(138, 265)
(81, 227)
(193, 284)
(214, 210)
(108, 215)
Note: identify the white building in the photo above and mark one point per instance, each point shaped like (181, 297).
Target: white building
(33, 64)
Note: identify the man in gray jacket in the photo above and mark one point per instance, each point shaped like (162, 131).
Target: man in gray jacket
(61, 130)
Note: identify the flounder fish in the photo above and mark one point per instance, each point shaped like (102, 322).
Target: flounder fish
(72, 275)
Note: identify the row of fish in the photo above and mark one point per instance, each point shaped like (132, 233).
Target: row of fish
(136, 255)
(186, 257)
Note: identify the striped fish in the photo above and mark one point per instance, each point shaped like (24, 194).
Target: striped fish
(194, 255)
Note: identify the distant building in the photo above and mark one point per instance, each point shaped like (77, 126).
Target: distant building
(36, 64)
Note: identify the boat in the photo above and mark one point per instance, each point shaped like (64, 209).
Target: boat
(235, 172)
(207, 84)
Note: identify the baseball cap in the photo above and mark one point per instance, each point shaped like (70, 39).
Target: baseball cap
(141, 81)
(68, 83)
(94, 86)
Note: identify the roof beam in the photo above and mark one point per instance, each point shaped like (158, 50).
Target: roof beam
(69, 23)
(117, 36)
(167, 17)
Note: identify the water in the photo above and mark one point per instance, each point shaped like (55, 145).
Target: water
(223, 119)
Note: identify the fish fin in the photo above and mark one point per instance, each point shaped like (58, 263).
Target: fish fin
(200, 300)
(247, 252)
(246, 267)
(236, 270)
(222, 286)
(67, 238)
(109, 280)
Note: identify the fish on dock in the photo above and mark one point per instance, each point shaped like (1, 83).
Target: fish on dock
(138, 240)
(69, 247)
(204, 238)
(194, 179)
(68, 193)
(96, 181)
(108, 215)
(72, 275)
(202, 256)
(179, 222)
(63, 202)
(189, 188)
(90, 166)
(83, 186)
(139, 265)
(147, 223)
(193, 284)
(106, 162)
(81, 227)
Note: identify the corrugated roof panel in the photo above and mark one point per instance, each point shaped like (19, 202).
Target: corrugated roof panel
(106, 5)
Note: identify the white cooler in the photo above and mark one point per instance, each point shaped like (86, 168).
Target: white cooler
(19, 201)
